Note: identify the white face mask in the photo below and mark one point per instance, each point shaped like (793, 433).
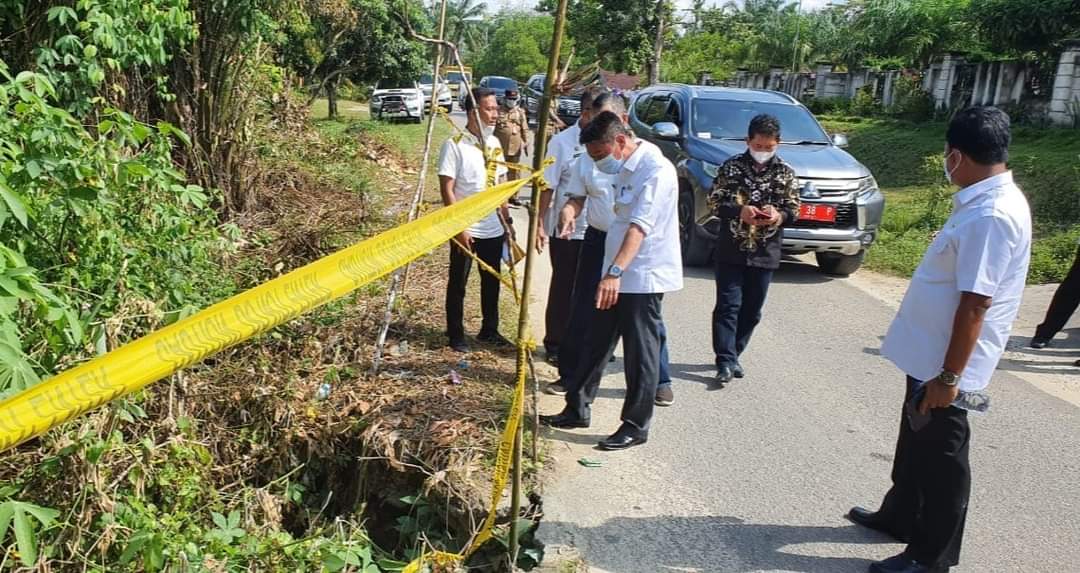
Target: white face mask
(488, 130)
(762, 157)
(511, 103)
(945, 168)
(609, 165)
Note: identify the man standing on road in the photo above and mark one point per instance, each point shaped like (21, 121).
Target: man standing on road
(512, 130)
(642, 262)
(948, 336)
(463, 172)
(755, 194)
(589, 191)
(565, 150)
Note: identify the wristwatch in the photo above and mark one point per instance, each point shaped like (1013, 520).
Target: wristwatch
(614, 271)
(948, 378)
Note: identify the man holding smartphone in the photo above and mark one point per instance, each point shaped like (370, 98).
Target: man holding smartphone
(947, 337)
(754, 195)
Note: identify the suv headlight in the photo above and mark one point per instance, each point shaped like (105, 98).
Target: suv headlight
(376, 99)
(710, 169)
(867, 186)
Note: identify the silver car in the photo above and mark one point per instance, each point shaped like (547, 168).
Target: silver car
(698, 128)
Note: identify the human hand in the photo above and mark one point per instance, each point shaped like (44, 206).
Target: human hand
(541, 238)
(607, 293)
(567, 225)
(749, 214)
(466, 240)
(938, 395)
(771, 216)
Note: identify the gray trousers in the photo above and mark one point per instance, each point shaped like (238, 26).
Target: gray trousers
(637, 318)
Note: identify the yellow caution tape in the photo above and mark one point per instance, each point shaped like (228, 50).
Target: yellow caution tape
(161, 353)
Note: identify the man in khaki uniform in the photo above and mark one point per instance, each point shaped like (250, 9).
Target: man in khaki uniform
(512, 130)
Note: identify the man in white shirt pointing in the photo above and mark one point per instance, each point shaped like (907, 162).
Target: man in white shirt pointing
(642, 262)
(947, 337)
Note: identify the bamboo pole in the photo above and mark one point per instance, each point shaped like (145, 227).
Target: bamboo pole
(401, 276)
(534, 221)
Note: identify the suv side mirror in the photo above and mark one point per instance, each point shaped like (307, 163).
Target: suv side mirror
(840, 140)
(666, 130)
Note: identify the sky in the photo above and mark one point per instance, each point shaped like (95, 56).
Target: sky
(495, 5)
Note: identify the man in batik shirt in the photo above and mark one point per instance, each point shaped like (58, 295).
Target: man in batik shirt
(754, 195)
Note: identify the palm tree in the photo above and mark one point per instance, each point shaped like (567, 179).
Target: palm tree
(464, 24)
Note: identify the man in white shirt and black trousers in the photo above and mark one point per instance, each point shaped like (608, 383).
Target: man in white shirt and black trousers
(463, 172)
(642, 262)
(948, 336)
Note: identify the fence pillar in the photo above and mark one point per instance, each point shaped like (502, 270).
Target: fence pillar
(1065, 99)
(823, 71)
(887, 89)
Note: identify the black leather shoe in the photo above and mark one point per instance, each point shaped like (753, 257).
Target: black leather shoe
(737, 371)
(1039, 343)
(459, 345)
(874, 520)
(626, 437)
(563, 420)
(495, 339)
(902, 564)
(724, 374)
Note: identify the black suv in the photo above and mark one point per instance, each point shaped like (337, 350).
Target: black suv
(698, 128)
(568, 109)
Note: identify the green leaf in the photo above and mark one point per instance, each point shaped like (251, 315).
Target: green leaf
(7, 511)
(24, 537)
(14, 203)
(16, 373)
(33, 168)
(154, 557)
(134, 546)
(166, 128)
(219, 520)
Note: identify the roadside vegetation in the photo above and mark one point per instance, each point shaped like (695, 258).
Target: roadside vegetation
(906, 158)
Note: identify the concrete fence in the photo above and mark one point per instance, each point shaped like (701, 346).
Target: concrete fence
(951, 82)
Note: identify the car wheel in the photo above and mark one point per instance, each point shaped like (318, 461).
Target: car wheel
(840, 265)
(695, 248)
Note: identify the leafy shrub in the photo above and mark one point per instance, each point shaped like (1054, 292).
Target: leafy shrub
(828, 105)
(100, 216)
(864, 104)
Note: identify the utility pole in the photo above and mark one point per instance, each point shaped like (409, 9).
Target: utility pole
(658, 44)
(795, 48)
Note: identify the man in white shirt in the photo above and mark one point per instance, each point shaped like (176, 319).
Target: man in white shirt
(589, 194)
(565, 150)
(642, 261)
(463, 172)
(947, 337)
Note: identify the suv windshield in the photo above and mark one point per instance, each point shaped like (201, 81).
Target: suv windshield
(454, 77)
(395, 85)
(728, 119)
(425, 80)
(502, 83)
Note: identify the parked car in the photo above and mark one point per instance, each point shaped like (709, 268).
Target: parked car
(444, 99)
(568, 107)
(455, 80)
(698, 128)
(397, 99)
(500, 85)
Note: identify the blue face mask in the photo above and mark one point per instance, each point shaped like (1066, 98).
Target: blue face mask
(609, 165)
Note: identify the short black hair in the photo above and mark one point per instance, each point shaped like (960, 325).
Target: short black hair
(764, 124)
(610, 100)
(604, 127)
(477, 95)
(589, 95)
(981, 133)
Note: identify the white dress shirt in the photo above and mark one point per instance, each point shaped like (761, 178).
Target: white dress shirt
(597, 188)
(565, 148)
(984, 249)
(646, 194)
(462, 159)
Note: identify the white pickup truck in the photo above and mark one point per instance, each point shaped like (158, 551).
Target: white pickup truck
(397, 99)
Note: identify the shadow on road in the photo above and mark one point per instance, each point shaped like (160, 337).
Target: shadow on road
(708, 544)
(791, 271)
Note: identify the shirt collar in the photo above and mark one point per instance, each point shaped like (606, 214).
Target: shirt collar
(969, 193)
(631, 163)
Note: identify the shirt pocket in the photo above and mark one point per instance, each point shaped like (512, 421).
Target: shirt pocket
(625, 196)
(939, 262)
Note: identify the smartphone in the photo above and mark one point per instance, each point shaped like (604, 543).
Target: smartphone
(916, 420)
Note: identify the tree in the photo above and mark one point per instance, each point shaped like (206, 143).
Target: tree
(519, 46)
(911, 32)
(465, 26)
(1016, 27)
(359, 40)
(622, 34)
(694, 53)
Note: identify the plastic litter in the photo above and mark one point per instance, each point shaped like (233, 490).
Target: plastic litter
(591, 463)
(323, 392)
(455, 378)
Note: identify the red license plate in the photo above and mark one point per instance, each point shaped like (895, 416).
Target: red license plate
(817, 212)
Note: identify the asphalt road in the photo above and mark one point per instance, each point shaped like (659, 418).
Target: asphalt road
(757, 476)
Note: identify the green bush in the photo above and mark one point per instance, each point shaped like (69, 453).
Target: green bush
(828, 105)
(910, 100)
